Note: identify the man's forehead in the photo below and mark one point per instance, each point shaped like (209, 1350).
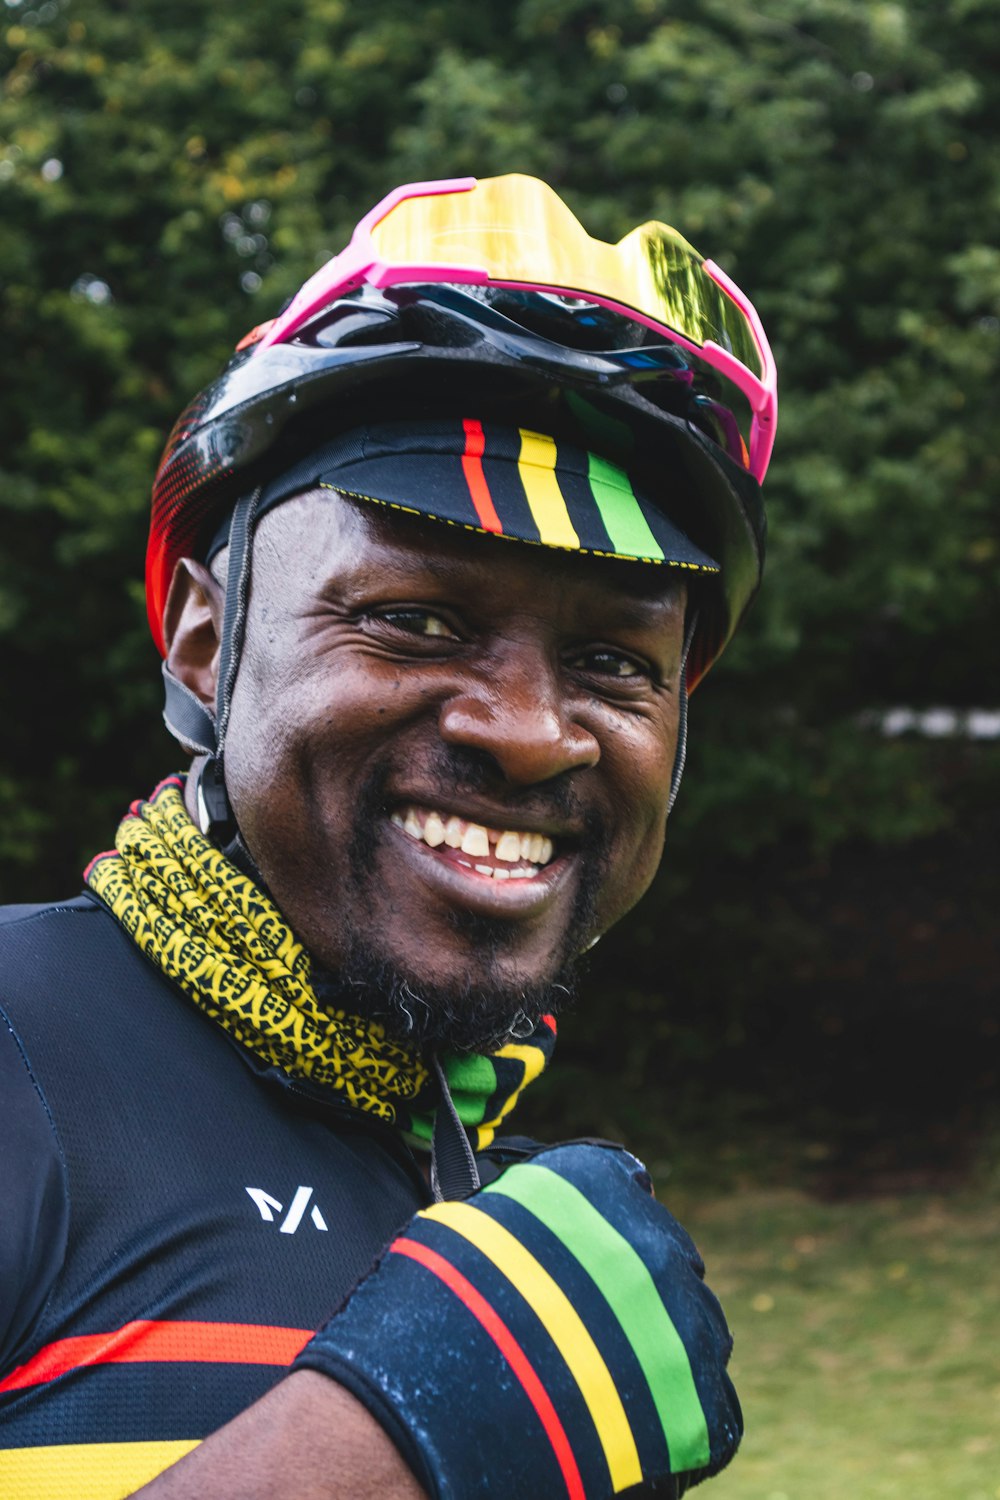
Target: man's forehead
(331, 535)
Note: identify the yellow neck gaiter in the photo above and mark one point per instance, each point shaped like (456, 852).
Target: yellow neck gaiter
(217, 936)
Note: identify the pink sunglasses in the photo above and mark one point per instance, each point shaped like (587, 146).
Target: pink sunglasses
(515, 231)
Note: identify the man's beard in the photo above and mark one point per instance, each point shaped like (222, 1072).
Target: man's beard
(482, 1012)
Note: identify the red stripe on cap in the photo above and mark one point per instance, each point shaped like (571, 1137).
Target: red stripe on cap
(472, 468)
(179, 1343)
(511, 1351)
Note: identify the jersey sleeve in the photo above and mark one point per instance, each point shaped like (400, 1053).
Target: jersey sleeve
(34, 1204)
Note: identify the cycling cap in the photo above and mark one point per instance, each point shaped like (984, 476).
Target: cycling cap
(502, 481)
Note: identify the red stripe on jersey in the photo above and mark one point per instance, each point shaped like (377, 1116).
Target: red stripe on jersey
(472, 468)
(511, 1351)
(136, 1343)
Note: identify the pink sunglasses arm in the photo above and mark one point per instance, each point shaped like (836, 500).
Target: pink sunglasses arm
(762, 394)
(359, 263)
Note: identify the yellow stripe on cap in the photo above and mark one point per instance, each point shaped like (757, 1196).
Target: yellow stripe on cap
(85, 1471)
(536, 465)
(564, 1326)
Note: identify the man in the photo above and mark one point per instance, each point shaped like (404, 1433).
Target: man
(433, 567)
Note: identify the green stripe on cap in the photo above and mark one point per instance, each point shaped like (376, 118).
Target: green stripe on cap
(623, 1278)
(624, 521)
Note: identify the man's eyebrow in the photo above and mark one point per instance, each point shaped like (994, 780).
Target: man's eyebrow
(442, 566)
(640, 609)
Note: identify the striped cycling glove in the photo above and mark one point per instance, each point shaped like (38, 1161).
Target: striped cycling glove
(550, 1336)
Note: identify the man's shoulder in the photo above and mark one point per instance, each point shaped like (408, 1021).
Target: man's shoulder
(83, 904)
(57, 948)
(51, 935)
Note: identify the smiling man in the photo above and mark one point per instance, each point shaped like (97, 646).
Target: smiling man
(433, 565)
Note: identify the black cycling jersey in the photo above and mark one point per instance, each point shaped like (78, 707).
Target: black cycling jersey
(174, 1223)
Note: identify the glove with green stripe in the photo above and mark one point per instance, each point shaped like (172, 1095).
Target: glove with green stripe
(550, 1336)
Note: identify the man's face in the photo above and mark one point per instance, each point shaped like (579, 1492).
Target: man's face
(448, 753)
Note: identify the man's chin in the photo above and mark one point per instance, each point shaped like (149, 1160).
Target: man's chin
(481, 980)
(471, 1015)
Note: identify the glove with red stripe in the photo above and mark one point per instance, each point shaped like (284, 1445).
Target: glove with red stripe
(550, 1336)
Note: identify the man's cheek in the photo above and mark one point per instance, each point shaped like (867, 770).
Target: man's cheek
(635, 870)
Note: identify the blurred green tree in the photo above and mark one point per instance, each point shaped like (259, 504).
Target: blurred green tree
(170, 172)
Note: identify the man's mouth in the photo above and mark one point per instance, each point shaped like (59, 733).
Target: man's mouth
(499, 853)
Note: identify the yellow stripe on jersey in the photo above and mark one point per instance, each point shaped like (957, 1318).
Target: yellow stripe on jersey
(536, 465)
(85, 1471)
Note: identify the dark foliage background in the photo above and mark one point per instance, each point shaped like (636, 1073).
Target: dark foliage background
(819, 949)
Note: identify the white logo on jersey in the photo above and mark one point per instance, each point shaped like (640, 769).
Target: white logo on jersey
(269, 1206)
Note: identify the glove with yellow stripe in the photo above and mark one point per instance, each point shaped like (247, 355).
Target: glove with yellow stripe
(550, 1336)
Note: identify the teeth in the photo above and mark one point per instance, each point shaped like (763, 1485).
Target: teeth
(534, 849)
(453, 833)
(412, 825)
(434, 831)
(475, 840)
(509, 847)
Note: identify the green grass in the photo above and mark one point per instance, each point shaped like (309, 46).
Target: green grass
(867, 1340)
(867, 1330)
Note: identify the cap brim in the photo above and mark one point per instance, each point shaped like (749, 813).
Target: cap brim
(499, 480)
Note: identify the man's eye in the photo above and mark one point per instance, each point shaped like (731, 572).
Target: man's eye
(611, 664)
(420, 622)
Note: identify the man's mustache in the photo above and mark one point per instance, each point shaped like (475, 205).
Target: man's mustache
(450, 771)
(454, 770)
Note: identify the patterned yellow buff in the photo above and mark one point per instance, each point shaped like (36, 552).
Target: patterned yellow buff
(217, 936)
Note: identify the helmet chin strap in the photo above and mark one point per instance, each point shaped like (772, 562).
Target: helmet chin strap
(680, 754)
(193, 724)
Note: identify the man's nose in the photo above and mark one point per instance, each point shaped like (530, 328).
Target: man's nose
(520, 717)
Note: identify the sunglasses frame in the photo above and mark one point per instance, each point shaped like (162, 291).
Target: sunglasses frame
(359, 264)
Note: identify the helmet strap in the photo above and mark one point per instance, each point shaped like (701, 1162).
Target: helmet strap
(187, 718)
(234, 618)
(680, 754)
(217, 820)
(194, 725)
(215, 813)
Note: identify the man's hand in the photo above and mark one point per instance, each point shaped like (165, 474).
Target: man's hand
(551, 1336)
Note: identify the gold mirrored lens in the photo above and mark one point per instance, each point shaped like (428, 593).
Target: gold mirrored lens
(675, 290)
(517, 229)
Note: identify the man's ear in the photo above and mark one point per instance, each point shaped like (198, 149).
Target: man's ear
(192, 628)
